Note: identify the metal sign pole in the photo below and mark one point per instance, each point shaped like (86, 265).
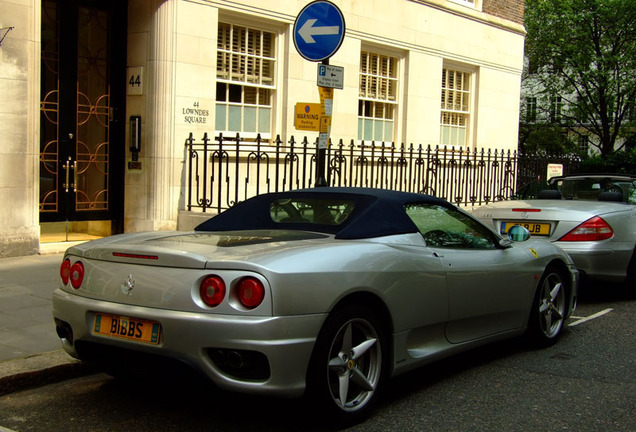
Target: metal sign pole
(319, 31)
(321, 180)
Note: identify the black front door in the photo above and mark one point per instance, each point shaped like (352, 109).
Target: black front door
(82, 111)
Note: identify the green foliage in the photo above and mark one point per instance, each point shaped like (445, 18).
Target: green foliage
(585, 51)
(546, 138)
(621, 162)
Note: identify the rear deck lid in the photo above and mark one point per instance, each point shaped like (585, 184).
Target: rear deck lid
(548, 218)
(191, 249)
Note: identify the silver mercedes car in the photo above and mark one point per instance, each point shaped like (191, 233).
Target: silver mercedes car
(592, 217)
(325, 293)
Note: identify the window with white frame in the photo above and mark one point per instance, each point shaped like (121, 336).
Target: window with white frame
(556, 106)
(470, 3)
(378, 97)
(245, 80)
(584, 144)
(456, 106)
(531, 109)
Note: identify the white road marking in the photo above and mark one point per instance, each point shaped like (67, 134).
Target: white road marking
(581, 320)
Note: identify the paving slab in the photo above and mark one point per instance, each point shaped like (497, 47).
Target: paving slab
(30, 351)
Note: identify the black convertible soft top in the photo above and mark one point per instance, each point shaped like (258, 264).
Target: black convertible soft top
(376, 213)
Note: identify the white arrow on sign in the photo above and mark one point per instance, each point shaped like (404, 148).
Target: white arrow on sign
(307, 31)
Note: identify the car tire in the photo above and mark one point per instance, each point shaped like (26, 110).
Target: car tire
(549, 308)
(349, 363)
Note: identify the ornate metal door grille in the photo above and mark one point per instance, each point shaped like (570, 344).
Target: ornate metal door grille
(74, 156)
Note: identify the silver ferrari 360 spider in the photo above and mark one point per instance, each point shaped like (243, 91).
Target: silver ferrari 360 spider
(326, 292)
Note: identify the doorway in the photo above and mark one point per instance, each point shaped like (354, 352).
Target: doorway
(82, 111)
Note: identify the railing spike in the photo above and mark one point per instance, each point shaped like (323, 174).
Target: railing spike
(469, 176)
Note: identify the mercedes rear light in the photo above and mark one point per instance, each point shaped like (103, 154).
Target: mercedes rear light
(527, 210)
(594, 229)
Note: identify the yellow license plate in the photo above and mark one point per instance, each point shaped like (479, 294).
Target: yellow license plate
(127, 328)
(534, 228)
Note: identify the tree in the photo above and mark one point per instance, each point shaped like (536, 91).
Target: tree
(585, 52)
(546, 138)
(619, 162)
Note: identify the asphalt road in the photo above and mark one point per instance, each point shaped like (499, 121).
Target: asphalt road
(587, 382)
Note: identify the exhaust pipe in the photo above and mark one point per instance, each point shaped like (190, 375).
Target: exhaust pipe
(235, 359)
(64, 331)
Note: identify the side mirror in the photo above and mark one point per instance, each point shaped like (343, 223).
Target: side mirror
(518, 233)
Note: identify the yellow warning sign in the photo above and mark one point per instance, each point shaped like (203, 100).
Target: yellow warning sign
(307, 116)
(325, 123)
(326, 100)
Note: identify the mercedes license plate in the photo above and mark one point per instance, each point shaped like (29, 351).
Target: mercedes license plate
(535, 228)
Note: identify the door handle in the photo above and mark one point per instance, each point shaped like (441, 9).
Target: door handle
(67, 176)
(74, 184)
(67, 169)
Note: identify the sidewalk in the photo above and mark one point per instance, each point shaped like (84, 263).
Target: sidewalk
(30, 351)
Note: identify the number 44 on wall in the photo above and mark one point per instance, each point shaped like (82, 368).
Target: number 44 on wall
(135, 83)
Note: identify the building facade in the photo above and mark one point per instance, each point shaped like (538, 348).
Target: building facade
(98, 97)
(541, 109)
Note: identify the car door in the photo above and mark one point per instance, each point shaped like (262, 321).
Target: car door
(82, 101)
(488, 288)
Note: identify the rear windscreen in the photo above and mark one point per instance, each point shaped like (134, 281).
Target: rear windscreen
(313, 211)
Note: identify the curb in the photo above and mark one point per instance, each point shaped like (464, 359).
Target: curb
(41, 369)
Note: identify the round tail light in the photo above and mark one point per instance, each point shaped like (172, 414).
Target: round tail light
(77, 274)
(212, 290)
(251, 292)
(65, 271)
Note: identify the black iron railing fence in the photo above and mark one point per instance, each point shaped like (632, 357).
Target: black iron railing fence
(225, 170)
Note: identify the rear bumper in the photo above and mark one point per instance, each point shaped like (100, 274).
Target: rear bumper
(196, 339)
(598, 261)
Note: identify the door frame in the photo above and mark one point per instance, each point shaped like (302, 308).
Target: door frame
(67, 108)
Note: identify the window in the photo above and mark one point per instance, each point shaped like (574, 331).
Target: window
(377, 104)
(245, 85)
(531, 109)
(449, 228)
(590, 189)
(456, 102)
(579, 109)
(556, 105)
(311, 210)
(470, 3)
(584, 144)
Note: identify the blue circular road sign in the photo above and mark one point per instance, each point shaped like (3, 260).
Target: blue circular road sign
(319, 30)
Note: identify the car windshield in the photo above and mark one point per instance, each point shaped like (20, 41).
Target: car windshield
(317, 211)
(449, 228)
(598, 189)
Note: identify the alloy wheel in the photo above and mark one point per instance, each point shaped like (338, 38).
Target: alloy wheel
(552, 305)
(355, 364)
